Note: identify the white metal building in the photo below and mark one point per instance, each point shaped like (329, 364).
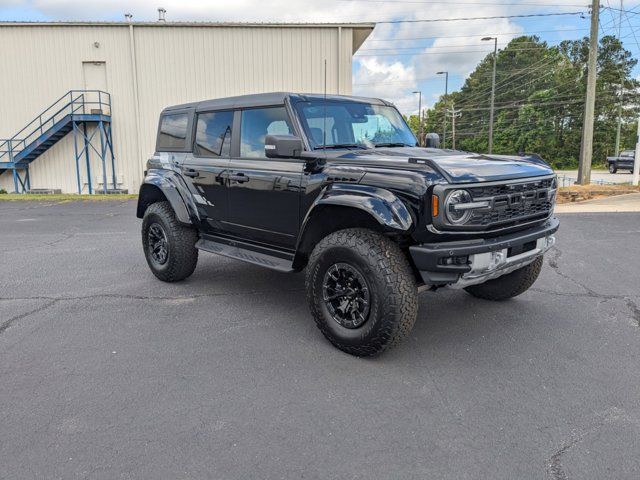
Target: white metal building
(145, 67)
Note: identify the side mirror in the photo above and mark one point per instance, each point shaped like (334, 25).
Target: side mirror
(282, 146)
(432, 140)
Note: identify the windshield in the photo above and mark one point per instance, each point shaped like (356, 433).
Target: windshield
(345, 124)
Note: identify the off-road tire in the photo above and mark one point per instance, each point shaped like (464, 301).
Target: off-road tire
(392, 287)
(510, 285)
(181, 240)
(613, 168)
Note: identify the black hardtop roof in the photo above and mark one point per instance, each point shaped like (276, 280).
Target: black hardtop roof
(266, 99)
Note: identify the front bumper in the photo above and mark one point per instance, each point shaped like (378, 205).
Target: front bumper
(470, 262)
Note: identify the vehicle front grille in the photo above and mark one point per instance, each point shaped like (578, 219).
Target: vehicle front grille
(511, 203)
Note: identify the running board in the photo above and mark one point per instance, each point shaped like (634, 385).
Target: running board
(232, 250)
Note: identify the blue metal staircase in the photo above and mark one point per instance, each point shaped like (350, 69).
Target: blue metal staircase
(74, 112)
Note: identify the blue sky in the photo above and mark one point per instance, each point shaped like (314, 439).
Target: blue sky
(398, 58)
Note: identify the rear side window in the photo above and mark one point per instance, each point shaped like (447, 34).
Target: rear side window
(173, 131)
(213, 134)
(256, 124)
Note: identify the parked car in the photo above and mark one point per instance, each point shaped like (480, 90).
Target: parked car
(624, 162)
(337, 186)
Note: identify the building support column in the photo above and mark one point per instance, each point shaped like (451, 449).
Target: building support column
(75, 151)
(86, 156)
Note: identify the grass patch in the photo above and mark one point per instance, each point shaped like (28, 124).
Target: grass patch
(63, 198)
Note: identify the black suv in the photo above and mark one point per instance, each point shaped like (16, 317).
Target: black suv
(338, 185)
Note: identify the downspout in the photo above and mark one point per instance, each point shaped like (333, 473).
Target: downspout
(339, 55)
(136, 101)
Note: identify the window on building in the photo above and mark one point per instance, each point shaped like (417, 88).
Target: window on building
(173, 131)
(257, 124)
(213, 134)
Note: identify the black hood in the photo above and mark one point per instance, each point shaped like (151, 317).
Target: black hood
(453, 166)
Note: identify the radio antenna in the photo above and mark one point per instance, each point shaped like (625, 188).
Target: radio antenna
(324, 116)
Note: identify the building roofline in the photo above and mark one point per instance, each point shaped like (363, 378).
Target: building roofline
(156, 23)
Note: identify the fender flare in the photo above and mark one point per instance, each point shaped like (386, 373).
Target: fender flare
(175, 191)
(381, 204)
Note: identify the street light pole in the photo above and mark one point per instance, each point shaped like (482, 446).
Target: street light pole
(444, 121)
(420, 130)
(493, 89)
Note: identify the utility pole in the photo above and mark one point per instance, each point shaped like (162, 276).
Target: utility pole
(454, 113)
(444, 122)
(493, 89)
(621, 91)
(420, 129)
(636, 161)
(586, 146)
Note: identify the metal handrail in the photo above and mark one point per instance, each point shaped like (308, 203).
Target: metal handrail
(74, 101)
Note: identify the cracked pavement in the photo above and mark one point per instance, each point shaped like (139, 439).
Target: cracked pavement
(106, 372)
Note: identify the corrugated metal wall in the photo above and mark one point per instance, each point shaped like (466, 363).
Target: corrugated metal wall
(175, 64)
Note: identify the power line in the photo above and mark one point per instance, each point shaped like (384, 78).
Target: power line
(435, 2)
(544, 62)
(401, 39)
(504, 45)
(493, 17)
(443, 52)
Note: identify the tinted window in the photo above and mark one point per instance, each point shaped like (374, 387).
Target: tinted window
(627, 153)
(213, 134)
(257, 124)
(173, 131)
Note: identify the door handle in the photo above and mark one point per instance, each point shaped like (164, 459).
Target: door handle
(190, 172)
(239, 177)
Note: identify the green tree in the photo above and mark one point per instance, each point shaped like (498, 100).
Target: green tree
(539, 101)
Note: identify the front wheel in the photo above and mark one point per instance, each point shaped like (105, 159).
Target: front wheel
(509, 285)
(613, 168)
(169, 246)
(361, 291)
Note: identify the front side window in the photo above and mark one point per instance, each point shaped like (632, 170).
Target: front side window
(213, 134)
(173, 131)
(256, 124)
(335, 124)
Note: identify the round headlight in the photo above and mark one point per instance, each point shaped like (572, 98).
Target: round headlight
(454, 215)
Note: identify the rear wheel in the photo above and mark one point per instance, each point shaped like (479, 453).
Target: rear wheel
(169, 246)
(509, 285)
(361, 291)
(613, 168)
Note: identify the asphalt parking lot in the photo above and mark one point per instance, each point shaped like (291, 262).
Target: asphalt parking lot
(107, 373)
(566, 178)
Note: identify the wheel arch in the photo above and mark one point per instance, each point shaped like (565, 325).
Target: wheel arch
(340, 207)
(163, 187)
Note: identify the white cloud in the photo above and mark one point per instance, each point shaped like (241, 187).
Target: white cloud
(392, 81)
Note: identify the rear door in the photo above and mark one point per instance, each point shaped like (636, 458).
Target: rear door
(206, 168)
(264, 193)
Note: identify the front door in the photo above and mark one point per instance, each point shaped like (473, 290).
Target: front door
(264, 193)
(206, 169)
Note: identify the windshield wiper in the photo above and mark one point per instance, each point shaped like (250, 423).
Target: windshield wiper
(339, 145)
(393, 144)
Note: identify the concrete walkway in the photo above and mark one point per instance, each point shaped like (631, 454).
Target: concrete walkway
(619, 203)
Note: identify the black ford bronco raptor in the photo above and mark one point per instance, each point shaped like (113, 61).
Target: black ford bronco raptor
(337, 185)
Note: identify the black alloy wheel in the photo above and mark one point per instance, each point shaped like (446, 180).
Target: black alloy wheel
(346, 295)
(158, 244)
